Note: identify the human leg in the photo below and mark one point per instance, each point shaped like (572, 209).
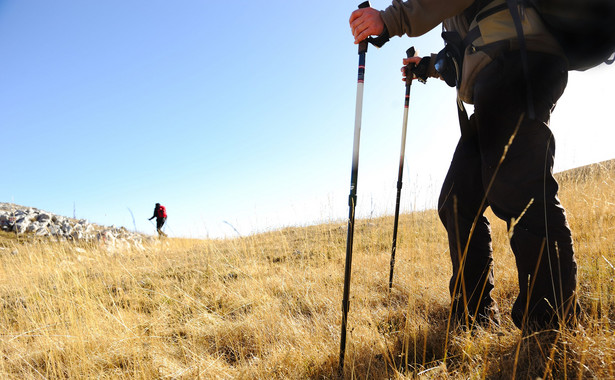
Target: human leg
(523, 191)
(460, 207)
(159, 224)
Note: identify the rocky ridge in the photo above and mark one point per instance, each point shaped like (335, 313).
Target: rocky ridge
(23, 220)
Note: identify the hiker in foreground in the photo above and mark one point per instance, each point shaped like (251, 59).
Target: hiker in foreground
(504, 158)
(160, 213)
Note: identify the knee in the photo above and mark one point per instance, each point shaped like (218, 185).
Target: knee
(445, 206)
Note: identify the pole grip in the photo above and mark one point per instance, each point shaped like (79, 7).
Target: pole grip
(410, 52)
(363, 44)
(409, 75)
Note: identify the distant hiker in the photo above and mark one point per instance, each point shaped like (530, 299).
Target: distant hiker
(160, 213)
(513, 93)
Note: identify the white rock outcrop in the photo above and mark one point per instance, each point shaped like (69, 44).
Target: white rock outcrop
(20, 219)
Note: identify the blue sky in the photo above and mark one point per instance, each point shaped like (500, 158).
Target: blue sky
(238, 112)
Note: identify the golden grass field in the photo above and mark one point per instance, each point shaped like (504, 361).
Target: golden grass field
(269, 305)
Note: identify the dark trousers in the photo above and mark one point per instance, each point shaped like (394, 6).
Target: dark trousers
(520, 190)
(159, 224)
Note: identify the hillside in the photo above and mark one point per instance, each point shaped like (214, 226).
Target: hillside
(590, 173)
(25, 223)
(269, 306)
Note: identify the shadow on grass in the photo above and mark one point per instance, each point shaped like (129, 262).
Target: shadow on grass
(411, 350)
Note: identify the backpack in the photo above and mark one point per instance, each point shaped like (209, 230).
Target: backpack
(585, 29)
(162, 212)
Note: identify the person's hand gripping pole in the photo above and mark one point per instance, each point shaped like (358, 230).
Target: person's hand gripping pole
(366, 22)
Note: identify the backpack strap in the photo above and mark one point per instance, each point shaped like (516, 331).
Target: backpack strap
(478, 12)
(474, 33)
(513, 6)
(491, 11)
(448, 64)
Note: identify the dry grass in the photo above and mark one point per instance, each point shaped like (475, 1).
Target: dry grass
(269, 306)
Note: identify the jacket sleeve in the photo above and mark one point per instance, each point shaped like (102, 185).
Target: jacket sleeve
(417, 17)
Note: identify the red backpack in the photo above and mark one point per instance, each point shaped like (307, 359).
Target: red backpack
(162, 212)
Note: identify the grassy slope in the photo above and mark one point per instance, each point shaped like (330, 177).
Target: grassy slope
(269, 306)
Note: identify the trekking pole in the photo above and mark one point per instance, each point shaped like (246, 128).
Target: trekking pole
(166, 227)
(410, 53)
(352, 198)
(153, 225)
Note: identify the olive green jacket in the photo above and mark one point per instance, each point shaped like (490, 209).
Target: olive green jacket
(497, 31)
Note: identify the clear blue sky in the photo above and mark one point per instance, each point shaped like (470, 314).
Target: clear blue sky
(229, 111)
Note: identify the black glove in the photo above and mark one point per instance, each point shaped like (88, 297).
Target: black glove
(421, 69)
